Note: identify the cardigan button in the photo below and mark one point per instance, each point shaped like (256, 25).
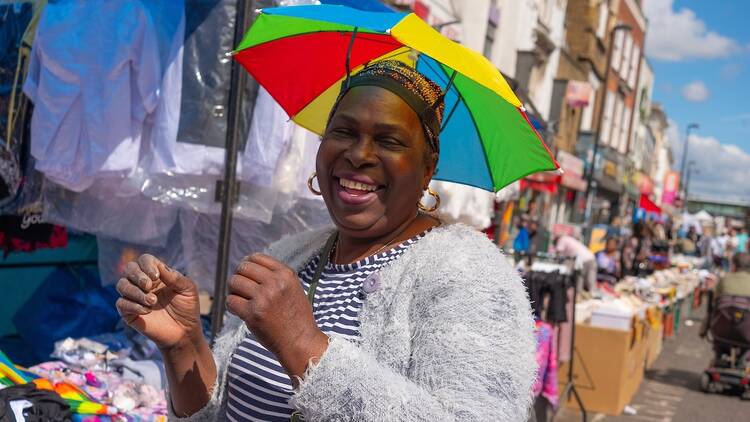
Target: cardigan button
(371, 283)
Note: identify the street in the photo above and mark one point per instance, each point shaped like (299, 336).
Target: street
(671, 390)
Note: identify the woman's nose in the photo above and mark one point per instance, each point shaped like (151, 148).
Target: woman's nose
(362, 152)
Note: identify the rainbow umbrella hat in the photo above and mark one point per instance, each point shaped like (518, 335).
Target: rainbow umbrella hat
(301, 55)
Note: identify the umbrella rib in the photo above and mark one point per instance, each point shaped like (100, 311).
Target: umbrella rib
(348, 56)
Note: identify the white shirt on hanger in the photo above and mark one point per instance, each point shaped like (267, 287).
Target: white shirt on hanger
(94, 76)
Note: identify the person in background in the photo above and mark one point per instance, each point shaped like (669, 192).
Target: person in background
(522, 240)
(718, 244)
(585, 260)
(534, 237)
(736, 283)
(741, 240)
(608, 261)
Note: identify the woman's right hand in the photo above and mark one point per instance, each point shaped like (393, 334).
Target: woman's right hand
(159, 302)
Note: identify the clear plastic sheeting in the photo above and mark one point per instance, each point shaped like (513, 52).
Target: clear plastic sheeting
(100, 210)
(200, 237)
(114, 254)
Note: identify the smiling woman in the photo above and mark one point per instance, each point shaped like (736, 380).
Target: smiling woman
(390, 315)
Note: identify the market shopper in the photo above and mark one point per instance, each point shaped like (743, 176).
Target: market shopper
(585, 260)
(411, 320)
(608, 262)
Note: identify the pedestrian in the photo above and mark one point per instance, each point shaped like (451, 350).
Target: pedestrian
(608, 262)
(717, 250)
(405, 318)
(522, 242)
(585, 261)
(742, 239)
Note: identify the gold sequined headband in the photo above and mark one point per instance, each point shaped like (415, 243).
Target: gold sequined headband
(424, 96)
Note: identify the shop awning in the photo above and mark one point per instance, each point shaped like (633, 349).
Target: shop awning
(541, 182)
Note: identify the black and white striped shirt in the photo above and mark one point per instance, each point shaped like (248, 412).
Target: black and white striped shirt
(258, 388)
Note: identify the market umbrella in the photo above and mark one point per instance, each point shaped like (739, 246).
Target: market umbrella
(301, 56)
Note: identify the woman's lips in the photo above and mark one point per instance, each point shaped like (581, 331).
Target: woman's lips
(355, 197)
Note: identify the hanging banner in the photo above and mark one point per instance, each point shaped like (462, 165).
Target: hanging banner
(671, 185)
(577, 94)
(572, 166)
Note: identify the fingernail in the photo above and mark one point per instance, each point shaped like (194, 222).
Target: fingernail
(151, 299)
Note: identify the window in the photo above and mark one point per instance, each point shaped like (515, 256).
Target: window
(603, 14)
(492, 23)
(627, 49)
(609, 104)
(615, 132)
(635, 62)
(617, 50)
(587, 119)
(627, 113)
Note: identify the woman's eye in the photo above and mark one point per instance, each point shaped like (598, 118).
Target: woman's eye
(390, 142)
(342, 132)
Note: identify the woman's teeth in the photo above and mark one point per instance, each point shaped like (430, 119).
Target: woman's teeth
(351, 184)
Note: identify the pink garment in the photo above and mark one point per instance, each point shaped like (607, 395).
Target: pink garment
(546, 357)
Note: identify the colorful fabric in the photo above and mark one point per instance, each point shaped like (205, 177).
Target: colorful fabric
(79, 401)
(546, 357)
(486, 139)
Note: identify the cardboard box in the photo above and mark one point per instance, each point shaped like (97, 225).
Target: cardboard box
(654, 336)
(608, 368)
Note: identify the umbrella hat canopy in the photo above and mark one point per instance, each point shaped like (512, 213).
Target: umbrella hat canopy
(301, 56)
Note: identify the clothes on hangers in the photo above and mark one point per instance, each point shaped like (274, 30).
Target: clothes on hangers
(92, 87)
(554, 285)
(270, 134)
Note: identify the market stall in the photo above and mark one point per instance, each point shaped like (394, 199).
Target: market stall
(620, 330)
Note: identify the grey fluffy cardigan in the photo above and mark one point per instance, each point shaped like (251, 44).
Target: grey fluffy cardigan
(448, 336)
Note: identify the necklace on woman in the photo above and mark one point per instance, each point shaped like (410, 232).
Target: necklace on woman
(336, 245)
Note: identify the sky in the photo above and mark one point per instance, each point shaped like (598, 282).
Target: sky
(700, 53)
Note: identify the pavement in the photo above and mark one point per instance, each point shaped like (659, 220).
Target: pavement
(671, 390)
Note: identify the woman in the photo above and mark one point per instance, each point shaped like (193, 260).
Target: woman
(411, 320)
(608, 261)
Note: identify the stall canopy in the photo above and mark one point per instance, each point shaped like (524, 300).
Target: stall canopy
(703, 215)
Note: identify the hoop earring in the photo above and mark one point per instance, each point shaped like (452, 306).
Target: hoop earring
(310, 184)
(434, 206)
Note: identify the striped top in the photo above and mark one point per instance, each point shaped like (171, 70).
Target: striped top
(258, 388)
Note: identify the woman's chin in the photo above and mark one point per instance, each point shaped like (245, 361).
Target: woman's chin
(352, 223)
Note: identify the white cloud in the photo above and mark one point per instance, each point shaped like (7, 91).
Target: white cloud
(680, 35)
(723, 169)
(696, 91)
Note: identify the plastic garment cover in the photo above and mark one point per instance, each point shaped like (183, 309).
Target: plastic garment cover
(115, 253)
(200, 241)
(100, 210)
(463, 204)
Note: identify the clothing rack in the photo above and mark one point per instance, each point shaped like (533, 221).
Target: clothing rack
(569, 387)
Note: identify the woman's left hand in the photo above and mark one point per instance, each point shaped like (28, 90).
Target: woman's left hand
(267, 295)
